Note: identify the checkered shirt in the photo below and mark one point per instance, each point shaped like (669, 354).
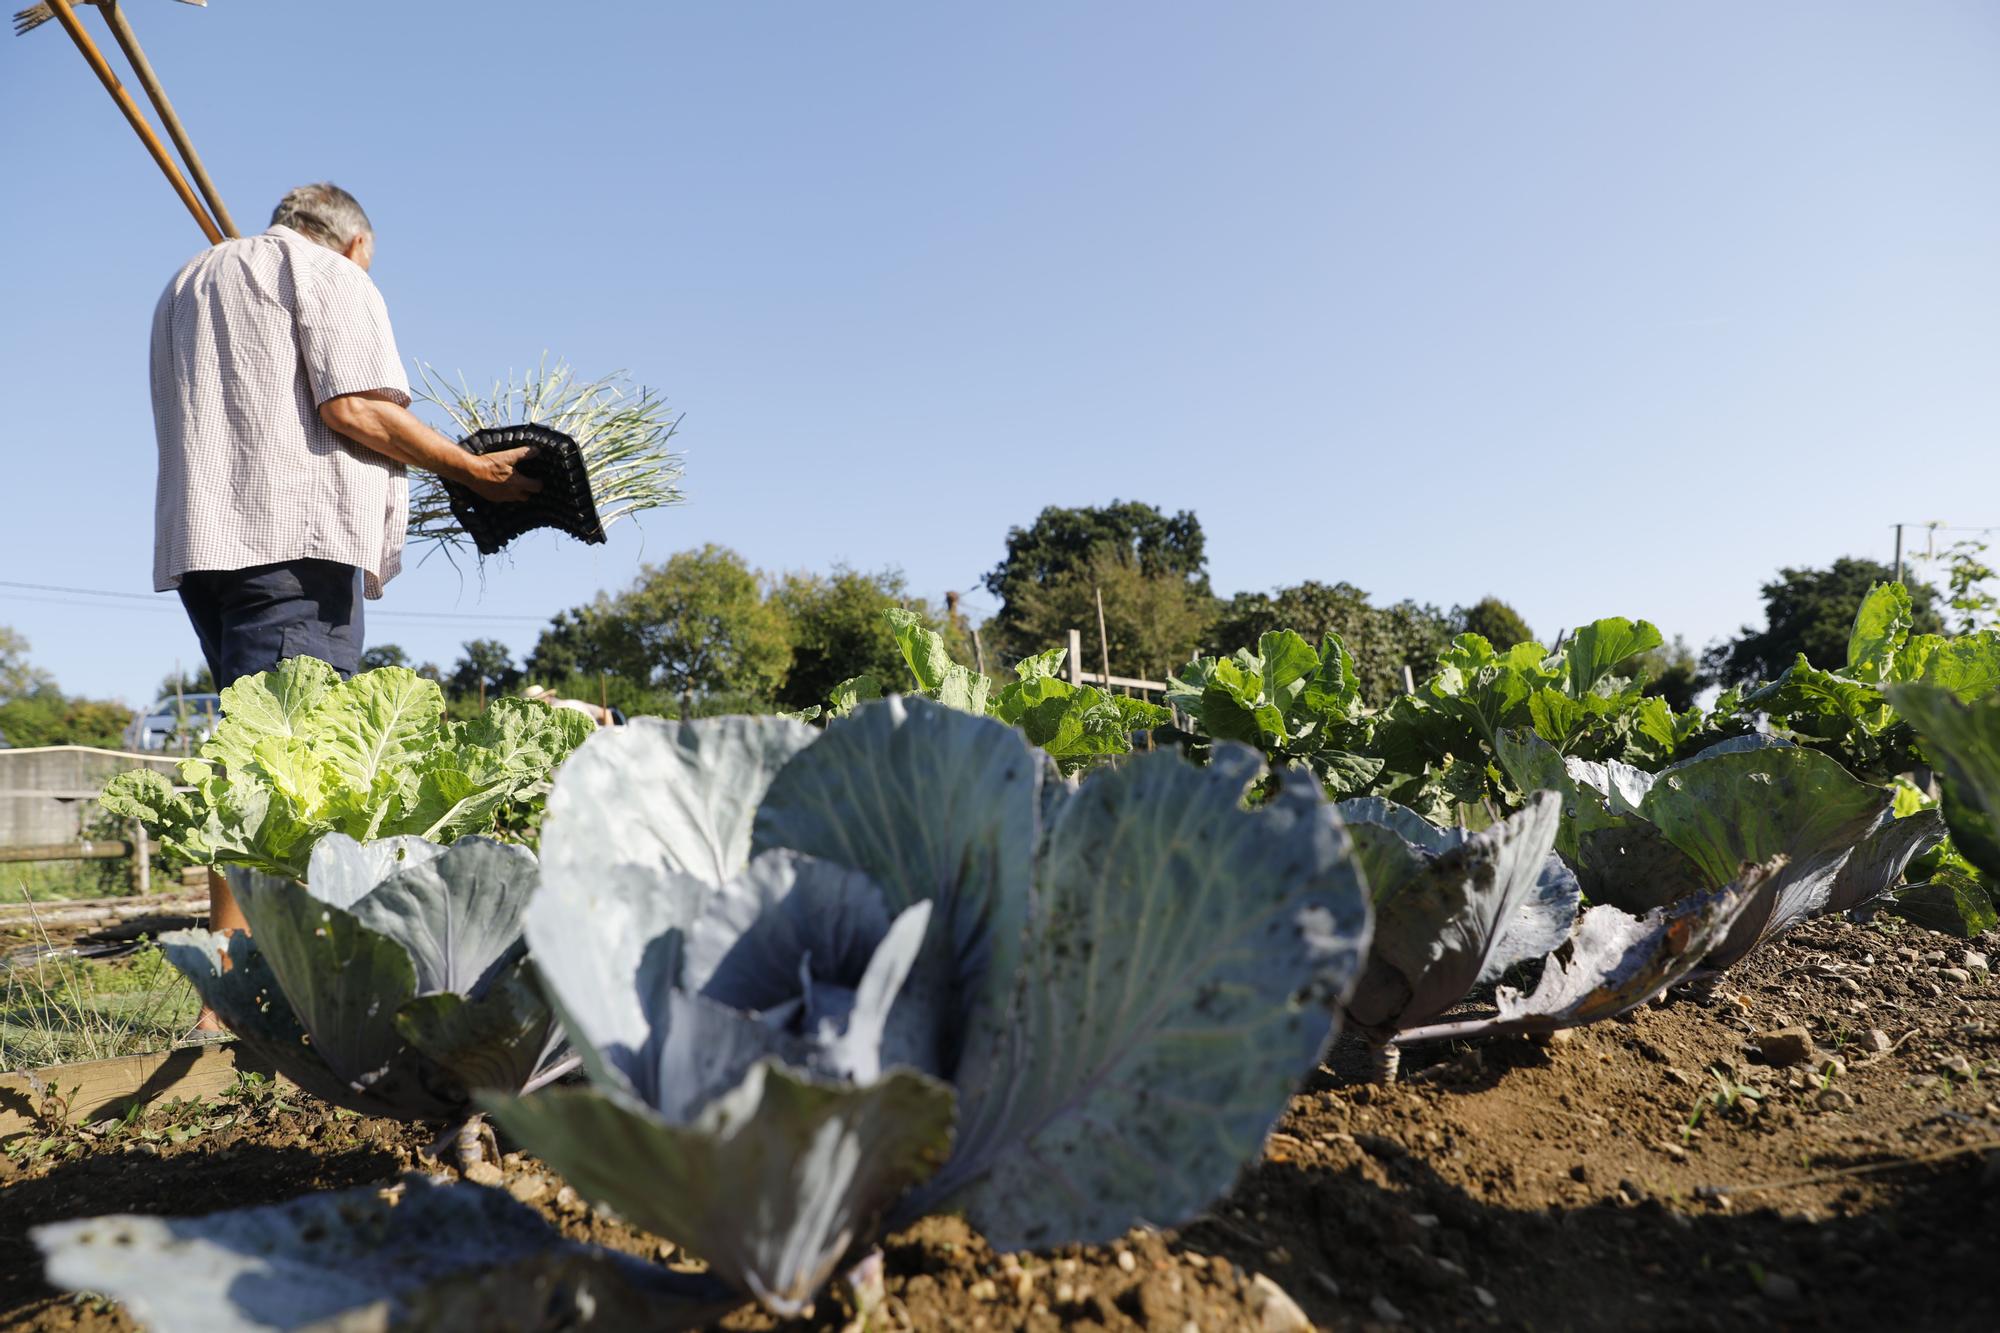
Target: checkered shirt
(248, 340)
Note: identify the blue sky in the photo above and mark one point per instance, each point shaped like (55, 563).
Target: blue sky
(1602, 309)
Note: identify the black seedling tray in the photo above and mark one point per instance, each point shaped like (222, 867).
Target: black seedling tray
(564, 502)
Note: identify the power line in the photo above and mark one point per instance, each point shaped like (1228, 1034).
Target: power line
(153, 599)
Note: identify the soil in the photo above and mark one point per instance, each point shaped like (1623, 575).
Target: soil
(1657, 1172)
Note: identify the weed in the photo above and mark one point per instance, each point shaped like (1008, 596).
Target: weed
(1727, 1096)
(57, 1008)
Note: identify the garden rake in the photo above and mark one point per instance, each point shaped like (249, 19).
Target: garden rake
(62, 11)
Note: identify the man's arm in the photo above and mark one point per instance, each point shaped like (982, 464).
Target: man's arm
(376, 421)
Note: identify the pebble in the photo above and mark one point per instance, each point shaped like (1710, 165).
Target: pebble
(1784, 1046)
(1834, 1067)
(1380, 1307)
(528, 1188)
(568, 1200)
(1833, 1099)
(484, 1173)
(1956, 1065)
(1276, 1311)
(1957, 975)
(1126, 1263)
(1485, 1298)
(983, 1290)
(1975, 961)
(1876, 1042)
(1778, 1287)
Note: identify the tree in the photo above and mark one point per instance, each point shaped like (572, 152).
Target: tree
(700, 625)
(1968, 585)
(383, 655)
(17, 675)
(1810, 611)
(586, 641)
(177, 682)
(1495, 621)
(1154, 622)
(487, 667)
(46, 716)
(1054, 554)
(1383, 639)
(33, 711)
(837, 631)
(1671, 671)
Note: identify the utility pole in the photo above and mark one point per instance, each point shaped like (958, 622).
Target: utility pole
(1899, 553)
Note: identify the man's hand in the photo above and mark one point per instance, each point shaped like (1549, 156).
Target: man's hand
(376, 421)
(496, 476)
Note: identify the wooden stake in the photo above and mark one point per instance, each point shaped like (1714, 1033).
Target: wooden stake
(128, 42)
(95, 58)
(1103, 641)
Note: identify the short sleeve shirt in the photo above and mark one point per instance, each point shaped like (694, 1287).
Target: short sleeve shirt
(248, 340)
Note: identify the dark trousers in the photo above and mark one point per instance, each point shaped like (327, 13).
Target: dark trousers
(249, 620)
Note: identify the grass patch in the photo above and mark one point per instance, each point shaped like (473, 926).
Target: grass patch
(56, 1008)
(46, 881)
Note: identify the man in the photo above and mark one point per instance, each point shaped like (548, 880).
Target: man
(284, 428)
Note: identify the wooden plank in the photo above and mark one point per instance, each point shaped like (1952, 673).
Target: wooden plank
(130, 904)
(107, 1089)
(108, 849)
(101, 918)
(1122, 682)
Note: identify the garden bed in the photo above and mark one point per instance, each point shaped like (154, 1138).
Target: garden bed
(1654, 1173)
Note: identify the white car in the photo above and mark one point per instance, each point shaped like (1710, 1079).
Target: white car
(190, 717)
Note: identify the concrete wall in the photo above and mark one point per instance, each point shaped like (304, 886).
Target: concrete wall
(68, 774)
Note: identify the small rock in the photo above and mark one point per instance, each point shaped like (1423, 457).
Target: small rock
(1276, 1312)
(1975, 961)
(1956, 975)
(1677, 1078)
(1834, 1067)
(1955, 1065)
(1833, 1099)
(1024, 1285)
(484, 1173)
(983, 1290)
(1485, 1298)
(527, 1189)
(1674, 1150)
(1783, 1046)
(1876, 1042)
(1778, 1287)
(1579, 1172)
(1379, 1307)
(568, 1201)
(1126, 1263)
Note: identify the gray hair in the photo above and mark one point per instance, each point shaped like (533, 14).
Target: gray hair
(324, 213)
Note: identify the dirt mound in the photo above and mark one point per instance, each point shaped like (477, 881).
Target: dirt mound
(1669, 1171)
